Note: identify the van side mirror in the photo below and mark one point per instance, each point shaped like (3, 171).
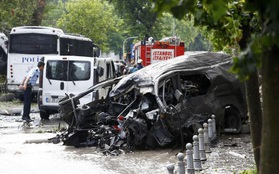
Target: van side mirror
(100, 71)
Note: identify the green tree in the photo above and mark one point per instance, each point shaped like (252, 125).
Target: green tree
(138, 16)
(53, 11)
(92, 18)
(38, 12)
(16, 13)
(185, 30)
(199, 44)
(193, 36)
(141, 20)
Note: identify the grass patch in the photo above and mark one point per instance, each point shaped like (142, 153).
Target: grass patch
(2, 79)
(249, 171)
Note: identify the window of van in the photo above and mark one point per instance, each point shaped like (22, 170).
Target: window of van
(68, 70)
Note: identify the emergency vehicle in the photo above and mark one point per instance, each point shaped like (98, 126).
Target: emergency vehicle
(28, 44)
(151, 51)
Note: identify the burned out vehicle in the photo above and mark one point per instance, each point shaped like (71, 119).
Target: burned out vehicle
(161, 105)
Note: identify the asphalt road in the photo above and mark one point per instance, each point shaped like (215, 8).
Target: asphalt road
(27, 150)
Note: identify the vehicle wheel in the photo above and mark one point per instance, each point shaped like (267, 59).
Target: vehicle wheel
(232, 121)
(44, 115)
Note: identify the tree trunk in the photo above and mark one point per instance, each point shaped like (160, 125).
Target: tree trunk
(253, 100)
(38, 13)
(270, 131)
(255, 114)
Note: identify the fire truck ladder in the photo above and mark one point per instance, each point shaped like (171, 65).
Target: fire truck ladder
(148, 54)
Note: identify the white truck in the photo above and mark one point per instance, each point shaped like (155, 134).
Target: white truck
(70, 75)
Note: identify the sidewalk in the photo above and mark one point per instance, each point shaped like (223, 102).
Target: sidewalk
(11, 118)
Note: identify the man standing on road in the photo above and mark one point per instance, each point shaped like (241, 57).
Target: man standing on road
(28, 82)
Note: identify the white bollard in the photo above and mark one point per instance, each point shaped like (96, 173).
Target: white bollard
(189, 159)
(181, 163)
(206, 140)
(210, 136)
(170, 168)
(214, 132)
(197, 161)
(201, 145)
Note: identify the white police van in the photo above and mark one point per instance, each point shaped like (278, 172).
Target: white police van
(70, 75)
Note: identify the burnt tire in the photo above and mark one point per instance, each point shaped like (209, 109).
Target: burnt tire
(232, 121)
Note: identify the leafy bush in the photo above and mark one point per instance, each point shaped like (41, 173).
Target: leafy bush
(249, 171)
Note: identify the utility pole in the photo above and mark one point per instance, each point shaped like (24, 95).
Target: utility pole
(123, 46)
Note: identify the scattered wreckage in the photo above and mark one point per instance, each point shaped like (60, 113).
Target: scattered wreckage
(161, 105)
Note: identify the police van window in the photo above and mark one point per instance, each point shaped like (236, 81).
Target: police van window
(75, 47)
(68, 70)
(33, 43)
(79, 70)
(57, 70)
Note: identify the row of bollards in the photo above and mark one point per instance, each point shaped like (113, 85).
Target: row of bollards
(197, 152)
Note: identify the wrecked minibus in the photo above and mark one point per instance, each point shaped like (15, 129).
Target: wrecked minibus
(161, 105)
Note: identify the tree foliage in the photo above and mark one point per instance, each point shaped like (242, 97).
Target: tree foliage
(141, 20)
(164, 26)
(253, 25)
(53, 11)
(171, 26)
(138, 16)
(225, 19)
(16, 13)
(92, 18)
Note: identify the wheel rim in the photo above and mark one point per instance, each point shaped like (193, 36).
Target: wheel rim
(232, 121)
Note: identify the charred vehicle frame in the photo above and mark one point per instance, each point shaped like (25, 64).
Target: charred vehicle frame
(161, 105)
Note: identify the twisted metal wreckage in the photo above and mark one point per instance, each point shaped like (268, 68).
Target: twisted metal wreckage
(161, 105)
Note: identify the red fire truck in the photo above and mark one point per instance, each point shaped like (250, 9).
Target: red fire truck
(155, 51)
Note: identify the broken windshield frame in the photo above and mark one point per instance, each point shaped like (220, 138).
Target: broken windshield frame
(103, 84)
(158, 81)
